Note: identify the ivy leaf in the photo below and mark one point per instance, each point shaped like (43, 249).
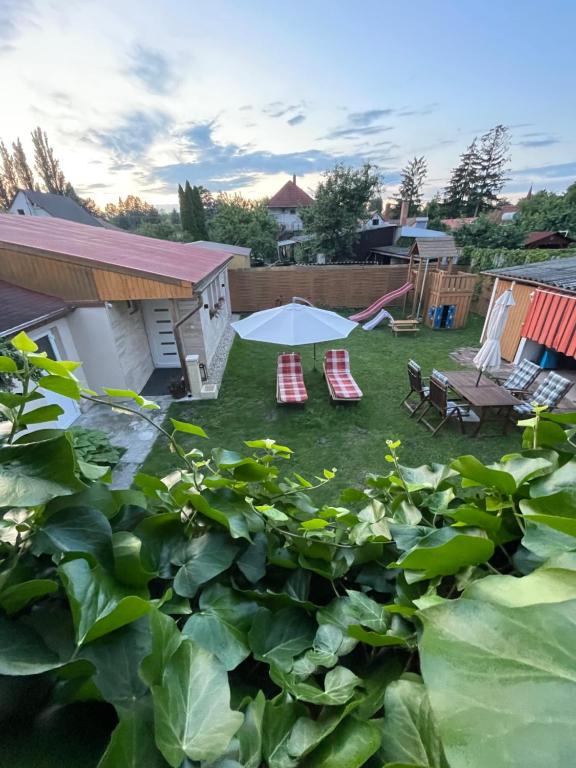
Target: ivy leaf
(189, 429)
(444, 552)
(23, 343)
(503, 671)
(277, 638)
(505, 476)
(192, 714)
(130, 564)
(409, 733)
(23, 651)
(166, 639)
(132, 742)
(339, 686)
(280, 715)
(17, 596)
(251, 733)
(348, 746)
(33, 473)
(252, 562)
(375, 639)
(62, 386)
(557, 510)
(82, 530)
(7, 365)
(99, 604)
(202, 559)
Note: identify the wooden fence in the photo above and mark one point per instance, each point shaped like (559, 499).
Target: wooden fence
(337, 287)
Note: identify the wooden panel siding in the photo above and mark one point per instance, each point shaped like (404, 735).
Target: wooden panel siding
(76, 282)
(517, 315)
(338, 287)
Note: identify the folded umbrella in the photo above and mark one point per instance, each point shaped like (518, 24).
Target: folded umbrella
(489, 354)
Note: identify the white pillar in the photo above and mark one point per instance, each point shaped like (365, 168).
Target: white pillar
(194, 378)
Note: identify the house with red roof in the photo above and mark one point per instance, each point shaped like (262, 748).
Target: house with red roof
(137, 311)
(285, 204)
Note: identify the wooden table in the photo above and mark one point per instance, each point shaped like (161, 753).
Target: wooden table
(483, 398)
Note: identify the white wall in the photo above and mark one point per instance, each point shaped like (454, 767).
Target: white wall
(21, 202)
(290, 221)
(92, 333)
(131, 342)
(214, 327)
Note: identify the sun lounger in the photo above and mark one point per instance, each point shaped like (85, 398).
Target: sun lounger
(290, 387)
(340, 382)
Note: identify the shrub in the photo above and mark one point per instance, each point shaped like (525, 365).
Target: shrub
(425, 619)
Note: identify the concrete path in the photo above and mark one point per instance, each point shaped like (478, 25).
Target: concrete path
(132, 433)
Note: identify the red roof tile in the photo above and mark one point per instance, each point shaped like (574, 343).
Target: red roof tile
(290, 196)
(101, 247)
(21, 308)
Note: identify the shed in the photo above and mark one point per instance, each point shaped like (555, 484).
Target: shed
(547, 239)
(544, 317)
(141, 303)
(240, 255)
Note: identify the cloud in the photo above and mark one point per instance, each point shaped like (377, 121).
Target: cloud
(369, 116)
(552, 171)
(228, 166)
(280, 108)
(246, 107)
(535, 139)
(352, 132)
(297, 119)
(153, 69)
(131, 139)
(13, 14)
(411, 111)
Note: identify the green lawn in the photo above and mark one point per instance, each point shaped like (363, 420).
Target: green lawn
(349, 437)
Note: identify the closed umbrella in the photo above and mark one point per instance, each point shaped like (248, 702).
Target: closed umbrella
(488, 357)
(294, 324)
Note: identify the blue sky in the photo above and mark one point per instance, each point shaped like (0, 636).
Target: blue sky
(138, 96)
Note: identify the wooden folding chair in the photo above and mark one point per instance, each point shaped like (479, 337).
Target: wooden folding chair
(416, 388)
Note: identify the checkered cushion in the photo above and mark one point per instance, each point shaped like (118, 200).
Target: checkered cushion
(340, 381)
(440, 377)
(522, 376)
(290, 387)
(550, 393)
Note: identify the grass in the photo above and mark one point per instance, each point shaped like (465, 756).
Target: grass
(349, 437)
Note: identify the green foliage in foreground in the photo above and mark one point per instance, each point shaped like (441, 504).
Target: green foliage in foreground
(481, 259)
(424, 620)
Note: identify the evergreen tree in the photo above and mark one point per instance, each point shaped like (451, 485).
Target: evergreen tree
(174, 215)
(186, 217)
(413, 175)
(7, 174)
(47, 166)
(21, 166)
(200, 231)
(491, 162)
(459, 195)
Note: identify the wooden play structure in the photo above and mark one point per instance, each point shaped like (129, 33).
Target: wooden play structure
(442, 295)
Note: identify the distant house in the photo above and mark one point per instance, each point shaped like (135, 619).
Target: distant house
(30, 203)
(374, 220)
(459, 222)
(285, 203)
(547, 239)
(123, 304)
(240, 255)
(542, 324)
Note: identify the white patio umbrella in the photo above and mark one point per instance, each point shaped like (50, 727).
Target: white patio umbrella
(488, 357)
(294, 324)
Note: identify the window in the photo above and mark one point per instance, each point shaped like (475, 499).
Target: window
(375, 222)
(292, 211)
(45, 344)
(21, 212)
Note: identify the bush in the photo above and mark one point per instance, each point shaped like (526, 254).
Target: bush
(425, 618)
(481, 259)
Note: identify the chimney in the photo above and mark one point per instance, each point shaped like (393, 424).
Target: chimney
(404, 208)
(387, 209)
(294, 179)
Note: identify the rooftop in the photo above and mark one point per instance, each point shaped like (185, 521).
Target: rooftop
(21, 308)
(535, 237)
(290, 196)
(557, 273)
(435, 248)
(113, 249)
(62, 207)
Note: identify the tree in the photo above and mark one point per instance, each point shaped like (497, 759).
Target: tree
(238, 221)
(459, 193)
(549, 211)
(484, 233)
(434, 210)
(47, 166)
(376, 204)
(132, 212)
(162, 230)
(8, 177)
(491, 160)
(175, 218)
(341, 200)
(21, 166)
(91, 206)
(192, 213)
(200, 231)
(413, 175)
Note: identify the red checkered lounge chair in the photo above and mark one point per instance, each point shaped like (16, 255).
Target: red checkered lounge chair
(290, 387)
(338, 377)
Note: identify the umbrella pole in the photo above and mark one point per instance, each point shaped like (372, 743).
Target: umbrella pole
(479, 377)
(314, 356)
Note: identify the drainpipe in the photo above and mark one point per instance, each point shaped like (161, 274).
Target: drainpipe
(176, 324)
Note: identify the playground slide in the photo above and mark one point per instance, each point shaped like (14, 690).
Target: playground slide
(382, 302)
(376, 320)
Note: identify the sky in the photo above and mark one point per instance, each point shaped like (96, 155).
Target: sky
(138, 96)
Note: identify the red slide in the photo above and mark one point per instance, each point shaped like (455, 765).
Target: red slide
(382, 302)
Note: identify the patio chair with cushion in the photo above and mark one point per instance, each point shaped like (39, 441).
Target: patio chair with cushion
(551, 392)
(447, 409)
(340, 381)
(416, 388)
(521, 378)
(290, 387)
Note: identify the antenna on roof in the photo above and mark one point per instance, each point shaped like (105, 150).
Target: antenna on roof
(294, 178)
